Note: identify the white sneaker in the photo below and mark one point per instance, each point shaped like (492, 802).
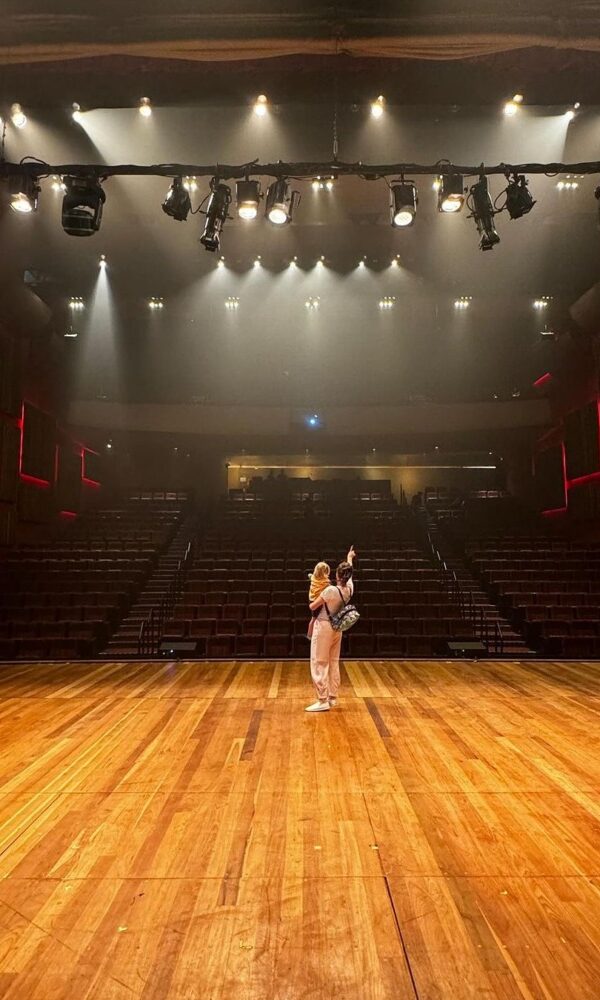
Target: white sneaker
(332, 702)
(319, 706)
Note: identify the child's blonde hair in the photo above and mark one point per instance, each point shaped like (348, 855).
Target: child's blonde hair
(321, 571)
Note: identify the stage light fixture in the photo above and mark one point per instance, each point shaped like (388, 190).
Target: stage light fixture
(76, 111)
(82, 206)
(260, 106)
(543, 302)
(568, 184)
(18, 116)
(102, 262)
(232, 302)
(58, 184)
(451, 195)
(403, 203)
(24, 193)
(519, 200)
(190, 183)
(323, 183)
(280, 202)
(76, 303)
(463, 302)
(312, 302)
(377, 107)
(216, 215)
(145, 108)
(482, 211)
(177, 204)
(156, 302)
(248, 196)
(387, 302)
(511, 107)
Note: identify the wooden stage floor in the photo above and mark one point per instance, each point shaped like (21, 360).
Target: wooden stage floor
(177, 830)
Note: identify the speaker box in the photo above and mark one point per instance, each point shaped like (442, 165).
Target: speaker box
(178, 649)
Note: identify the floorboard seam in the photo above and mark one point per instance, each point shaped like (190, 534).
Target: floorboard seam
(401, 937)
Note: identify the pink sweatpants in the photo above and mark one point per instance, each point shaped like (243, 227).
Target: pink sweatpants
(325, 646)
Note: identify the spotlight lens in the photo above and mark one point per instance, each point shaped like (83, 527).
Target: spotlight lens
(260, 105)
(247, 211)
(376, 109)
(404, 217)
(19, 118)
(145, 107)
(510, 108)
(21, 203)
(453, 203)
(278, 215)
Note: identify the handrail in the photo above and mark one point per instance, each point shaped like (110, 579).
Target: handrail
(152, 627)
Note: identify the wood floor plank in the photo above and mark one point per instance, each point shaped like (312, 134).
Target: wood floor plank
(185, 829)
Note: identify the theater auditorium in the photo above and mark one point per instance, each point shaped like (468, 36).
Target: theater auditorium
(300, 501)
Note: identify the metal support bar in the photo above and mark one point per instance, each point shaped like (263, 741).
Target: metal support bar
(302, 170)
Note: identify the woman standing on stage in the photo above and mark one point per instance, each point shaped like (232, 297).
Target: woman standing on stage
(325, 643)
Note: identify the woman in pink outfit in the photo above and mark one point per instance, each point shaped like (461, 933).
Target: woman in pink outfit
(325, 642)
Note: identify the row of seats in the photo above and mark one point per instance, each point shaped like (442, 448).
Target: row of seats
(357, 646)
(246, 593)
(63, 648)
(299, 609)
(179, 628)
(549, 587)
(65, 597)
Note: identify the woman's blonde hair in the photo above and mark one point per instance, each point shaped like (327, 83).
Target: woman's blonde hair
(321, 570)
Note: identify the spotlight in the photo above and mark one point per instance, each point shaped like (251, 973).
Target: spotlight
(451, 195)
(76, 111)
(177, 203)
(102, 262)
(76, 303)
(232, 302)
(260, 106)
(403, 203)
(511, 107)
(280, 202)
(482, 210)
(313, 421)
(18, 116)
(216, 215)
(58, 184)
(145, 108)
(569, 184)
(387, 302)
(24, 193)
(312, 302)
(156, 302)
(323, 183)
(542, 302)
(463, 302)
(247, 196)
(82, 206)
(377, 107)
(519, 200)
(190, 184)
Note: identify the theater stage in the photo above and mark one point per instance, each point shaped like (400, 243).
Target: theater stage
(176, 830)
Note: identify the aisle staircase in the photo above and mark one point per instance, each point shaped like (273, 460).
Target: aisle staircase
(124, 642)
(513, 644)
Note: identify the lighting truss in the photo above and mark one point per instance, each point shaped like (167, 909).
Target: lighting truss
(301, 170)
